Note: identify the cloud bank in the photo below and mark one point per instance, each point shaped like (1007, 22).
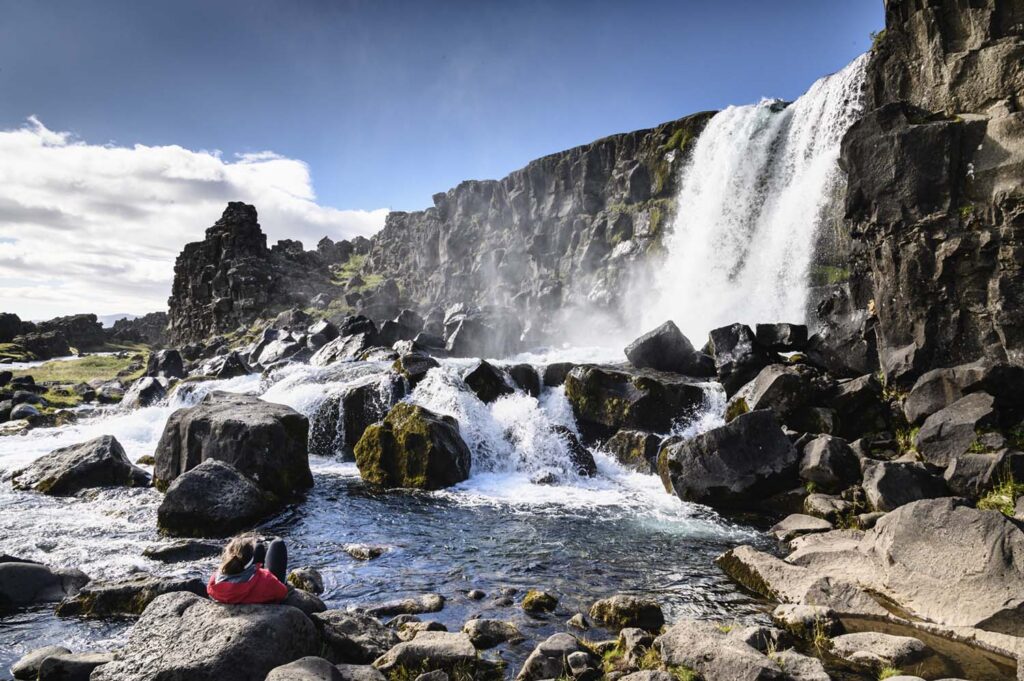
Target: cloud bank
(96, 228)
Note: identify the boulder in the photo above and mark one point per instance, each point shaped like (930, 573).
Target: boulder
(182, 550)
(799, 667)
(352, 637)
(738, 357)
(230, 365)
(891, 484)
(100, 462)
(23, 583)
(859, 405)
(181, 635)
(781, 337)
(165, 364)
(430, 651)
(789, 390)
(827, 506)
(283, 348)
(712, 653)
(622, 611)
(265, 441)
(951, 431)
(526, 378)
(408, 606)
(549, 659)
(308, 579)
(414, 366)
(635, 449)
(72, 666)
(829, 463)
(344, 347)
(493, 333)
(939, 388)
(306, 669)
(413, 447)
(23, 411)
(27, 666)
(735, 465)
(144, 392)
(307, 602)
(359, 672)
(214, 499)
(797, 525)
(487, 382)
(555, 374)
(539, 601)
(320, 334)
(605, 400)
(124, 597)
(972, 475)
(807, 621)
(875, 651)
(486, 633)
(666, 349)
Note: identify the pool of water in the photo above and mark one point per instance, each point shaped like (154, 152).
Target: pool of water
(582, 538)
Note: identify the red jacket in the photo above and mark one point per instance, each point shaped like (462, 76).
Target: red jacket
(262, 587)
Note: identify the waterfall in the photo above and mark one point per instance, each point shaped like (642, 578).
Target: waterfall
(759, 182)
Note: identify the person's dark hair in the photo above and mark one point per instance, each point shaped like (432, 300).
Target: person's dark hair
(237, 554)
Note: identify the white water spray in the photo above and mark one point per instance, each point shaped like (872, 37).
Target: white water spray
(760, 182)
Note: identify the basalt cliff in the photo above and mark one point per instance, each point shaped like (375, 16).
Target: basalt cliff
(929, 250)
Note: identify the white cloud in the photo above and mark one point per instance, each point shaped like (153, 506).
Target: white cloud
(91, 228)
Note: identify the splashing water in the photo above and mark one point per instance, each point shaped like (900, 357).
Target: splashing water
(760, 182)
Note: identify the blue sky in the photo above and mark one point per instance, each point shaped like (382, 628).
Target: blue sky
(389, 102)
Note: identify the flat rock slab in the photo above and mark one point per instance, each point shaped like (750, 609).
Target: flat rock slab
(124, 597)
(797, 524)
(873, 650)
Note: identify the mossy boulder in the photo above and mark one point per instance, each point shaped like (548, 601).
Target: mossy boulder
(635, 449)
(621, 611)
(413, 447)
(539, 601)
(606, 399)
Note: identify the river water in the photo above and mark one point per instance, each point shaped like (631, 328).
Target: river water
(582, 538)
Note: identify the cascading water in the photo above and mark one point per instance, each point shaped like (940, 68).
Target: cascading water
(760, 181)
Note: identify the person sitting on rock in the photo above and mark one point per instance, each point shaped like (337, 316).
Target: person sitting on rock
(242, 578)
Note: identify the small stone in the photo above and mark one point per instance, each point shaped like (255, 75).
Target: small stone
(539, 601)
(307, 579)
(364, 551)
(476, 594)
(578, 621)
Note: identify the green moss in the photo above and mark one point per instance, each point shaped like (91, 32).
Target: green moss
(888, 673)
(681, 673)
(679, 140)
(966, 211)
(828, 275)
(539, 601)
(60, 398)
(737, 407)
(15, 352)
(102, 367)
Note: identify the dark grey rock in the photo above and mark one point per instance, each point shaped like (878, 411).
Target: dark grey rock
(100, 462)
(214, 499)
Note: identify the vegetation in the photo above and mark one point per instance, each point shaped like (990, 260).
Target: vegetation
(828, 275)
(681, 673)
(820, 638)
(104, 367)
(1003, 496)
(876, 38)
(906, 439)
(14, 352)
(888, 672)
(650, 659)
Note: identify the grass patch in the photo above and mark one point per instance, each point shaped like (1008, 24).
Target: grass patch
(650, 659)
(15, 352)
(906, 439)
(105, 367)
(611, 659)
(888, 673)
(1003, 497)
(876, 38)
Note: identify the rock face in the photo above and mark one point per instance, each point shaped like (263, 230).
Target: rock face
(738, 464)
(606, 399)
(214, 499)
(933, 198)
(265, 441)
(181, 635)
(99, 462)
(413, 447)
(561, 230)
(230, 277)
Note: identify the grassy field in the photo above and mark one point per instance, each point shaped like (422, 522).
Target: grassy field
(73, 371)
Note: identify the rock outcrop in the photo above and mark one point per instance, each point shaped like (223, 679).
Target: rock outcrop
(934, 202)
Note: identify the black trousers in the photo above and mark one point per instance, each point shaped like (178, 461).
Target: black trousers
(274, 558)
